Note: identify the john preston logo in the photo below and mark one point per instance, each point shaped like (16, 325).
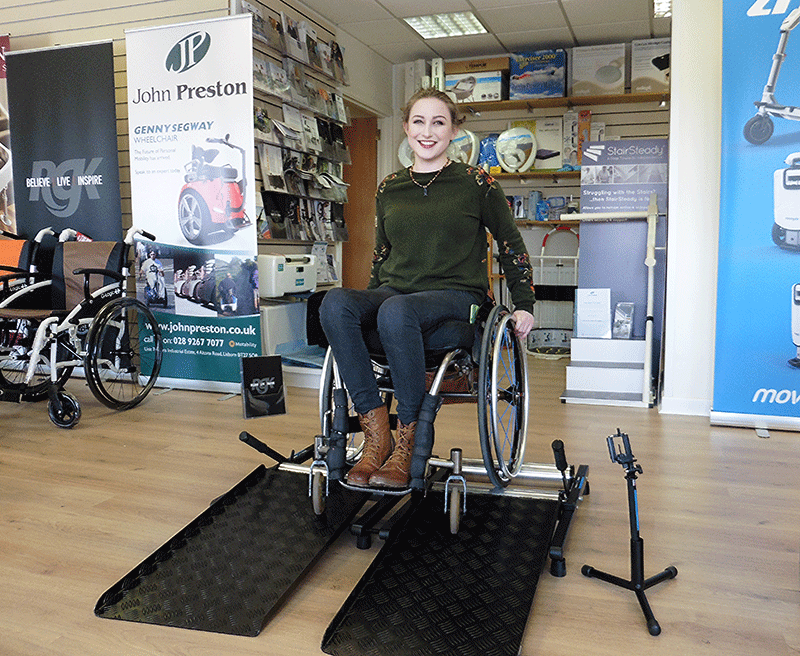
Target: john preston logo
(188, 52)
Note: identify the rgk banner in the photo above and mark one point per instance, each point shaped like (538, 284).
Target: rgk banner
(64, 140)
(190, 124)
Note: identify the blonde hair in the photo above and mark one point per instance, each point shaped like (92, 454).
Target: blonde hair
(431, 92)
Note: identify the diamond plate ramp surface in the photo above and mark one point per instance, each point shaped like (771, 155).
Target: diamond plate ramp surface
(229, 570)
(432, 593)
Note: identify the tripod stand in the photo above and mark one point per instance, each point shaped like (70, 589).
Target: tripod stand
(637, 582)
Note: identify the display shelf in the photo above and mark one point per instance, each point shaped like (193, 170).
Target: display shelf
(565, 101)
(538, 174)
(552, 224)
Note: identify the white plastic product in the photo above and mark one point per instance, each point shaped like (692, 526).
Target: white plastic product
(516, 149)
(465, 148)
(286, 274)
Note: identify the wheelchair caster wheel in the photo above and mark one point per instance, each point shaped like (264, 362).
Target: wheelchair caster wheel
(318, 493)
(66, 412)
(455, 510)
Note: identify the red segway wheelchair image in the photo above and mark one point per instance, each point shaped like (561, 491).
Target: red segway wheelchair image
(212, 200)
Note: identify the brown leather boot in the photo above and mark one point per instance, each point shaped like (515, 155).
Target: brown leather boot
(394, 473)
(378, 445)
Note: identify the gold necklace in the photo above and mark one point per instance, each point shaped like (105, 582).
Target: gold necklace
(425, 186)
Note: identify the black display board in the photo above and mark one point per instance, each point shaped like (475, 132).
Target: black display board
(64, 140)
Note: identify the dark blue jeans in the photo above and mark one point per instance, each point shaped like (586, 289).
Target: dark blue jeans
(400, 320)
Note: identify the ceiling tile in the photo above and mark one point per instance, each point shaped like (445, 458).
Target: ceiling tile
(481, 5)
(475, 45)
(405, 8)
(348, 11)
(591, 12)
(537, 17)
(600, 33)
(399, 53)
(383, 31)
(662, 27)
(536, 40)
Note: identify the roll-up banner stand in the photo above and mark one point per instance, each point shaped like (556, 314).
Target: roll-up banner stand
(757, 351)
(63, 127)
(190, 124)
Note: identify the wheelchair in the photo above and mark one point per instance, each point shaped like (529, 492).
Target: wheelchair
(19, 259)
(90, 323)
(484, 363)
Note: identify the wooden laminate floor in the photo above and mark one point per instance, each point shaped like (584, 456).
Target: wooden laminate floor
(79, 509)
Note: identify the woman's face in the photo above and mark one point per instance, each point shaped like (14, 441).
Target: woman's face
(429, 130)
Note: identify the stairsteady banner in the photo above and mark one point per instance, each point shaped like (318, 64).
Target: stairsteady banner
(63, 126)
(757, 365)
(190, 124)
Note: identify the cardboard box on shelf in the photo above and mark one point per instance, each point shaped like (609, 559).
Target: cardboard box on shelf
(482, 86)
(477, 80)
(650, 65)
(598, 70)
(476, 65)
(537, 74)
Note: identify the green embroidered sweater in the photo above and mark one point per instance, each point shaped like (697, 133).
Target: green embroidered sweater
(438, 241)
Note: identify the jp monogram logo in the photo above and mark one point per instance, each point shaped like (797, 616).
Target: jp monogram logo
(61, 186)
(188, 52)
(262, 385)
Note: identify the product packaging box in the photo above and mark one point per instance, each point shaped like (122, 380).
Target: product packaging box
(598, 70)
(569, 150)
(477, 80)
(537, 74)
(650, 65)
(549, 140)
(549, 143)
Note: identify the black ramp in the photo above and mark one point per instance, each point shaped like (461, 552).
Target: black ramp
(432, 593)
(228, 570)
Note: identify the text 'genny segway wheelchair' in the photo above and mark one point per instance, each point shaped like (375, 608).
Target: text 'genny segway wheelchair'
(481, 362)
(79, 316)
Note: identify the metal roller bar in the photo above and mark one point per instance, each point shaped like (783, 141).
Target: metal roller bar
(510, 491)
(529, 472)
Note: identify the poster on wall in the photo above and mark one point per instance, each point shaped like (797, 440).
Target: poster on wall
(757, 350)
(621, 176)
(190, 108)
(63, 124)
(7, 220)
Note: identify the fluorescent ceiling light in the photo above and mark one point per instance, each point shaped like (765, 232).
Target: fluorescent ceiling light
(662, 8)
(441, 25)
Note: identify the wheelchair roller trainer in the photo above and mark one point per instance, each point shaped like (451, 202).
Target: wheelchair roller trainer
(502, 390)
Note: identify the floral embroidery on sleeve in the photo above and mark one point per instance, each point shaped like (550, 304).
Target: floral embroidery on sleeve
(523, 264)
(482, 177)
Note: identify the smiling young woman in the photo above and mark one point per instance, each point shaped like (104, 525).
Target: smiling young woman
(429, 266)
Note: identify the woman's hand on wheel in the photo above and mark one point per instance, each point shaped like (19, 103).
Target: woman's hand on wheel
(523, 323)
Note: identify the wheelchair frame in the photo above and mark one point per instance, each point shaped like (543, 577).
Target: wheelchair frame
(501, 392)
(100, 334)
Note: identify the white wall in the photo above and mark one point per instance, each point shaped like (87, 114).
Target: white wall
(694, 166)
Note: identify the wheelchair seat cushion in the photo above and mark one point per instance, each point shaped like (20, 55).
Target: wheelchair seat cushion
(440, 339)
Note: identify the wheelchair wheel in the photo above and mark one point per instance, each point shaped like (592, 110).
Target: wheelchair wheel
(66, 413)
(16, 340)
(123, 353)
(329, 380)
(502, 398)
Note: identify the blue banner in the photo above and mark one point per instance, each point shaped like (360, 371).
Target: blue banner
(757, 352)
